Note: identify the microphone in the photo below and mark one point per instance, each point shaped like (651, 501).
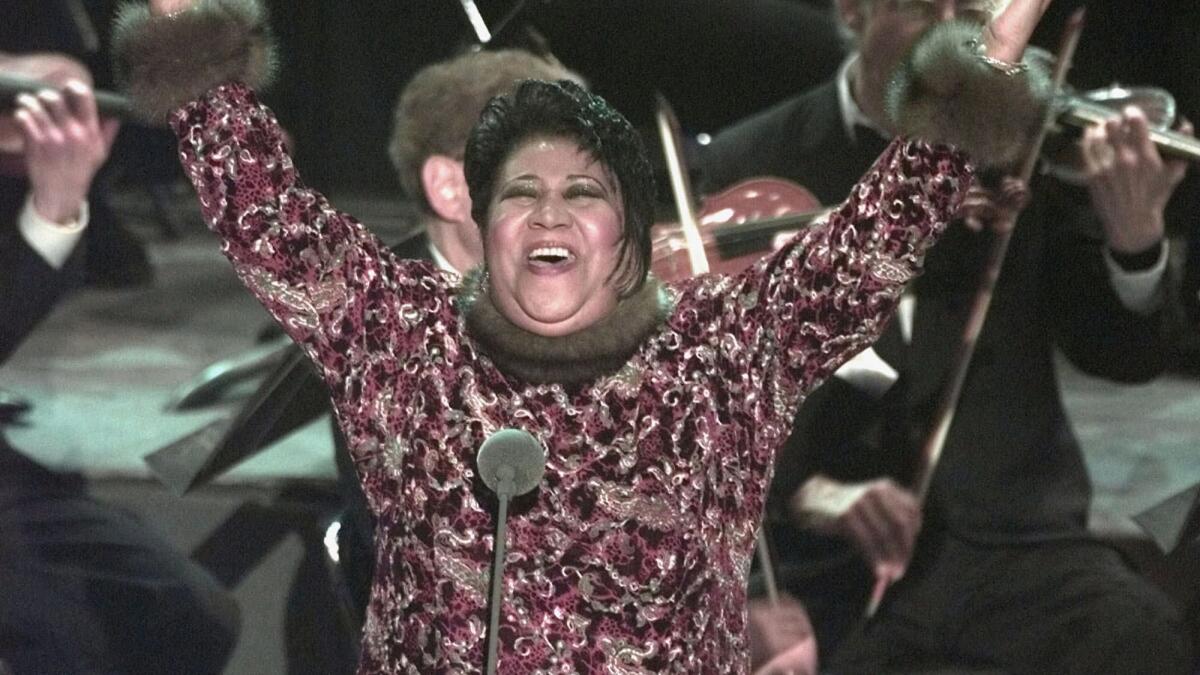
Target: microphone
(511, 462)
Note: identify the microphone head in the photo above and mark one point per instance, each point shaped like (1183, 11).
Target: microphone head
(511, 462)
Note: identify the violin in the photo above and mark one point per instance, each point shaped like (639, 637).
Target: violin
(734, 228)
(1096, 107)
(108, 104)
(737, 227)
(1072, 111)
(1077, 111)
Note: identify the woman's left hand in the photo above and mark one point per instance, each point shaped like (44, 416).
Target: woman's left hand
(1007, 34)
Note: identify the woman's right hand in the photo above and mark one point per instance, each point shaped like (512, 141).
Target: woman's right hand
(165, 7)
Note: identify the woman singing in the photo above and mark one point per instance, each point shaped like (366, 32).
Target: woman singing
(659, 407)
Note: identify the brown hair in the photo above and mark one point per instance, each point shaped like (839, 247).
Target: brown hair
(441, 103)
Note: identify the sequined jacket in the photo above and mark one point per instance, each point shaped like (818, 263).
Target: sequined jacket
(631, 557)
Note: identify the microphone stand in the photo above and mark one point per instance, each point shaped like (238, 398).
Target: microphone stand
(505, 488)
(511, 462)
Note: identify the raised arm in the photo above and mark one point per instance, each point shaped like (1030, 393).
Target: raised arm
(827, 294)
(957, 94)
(323, 276)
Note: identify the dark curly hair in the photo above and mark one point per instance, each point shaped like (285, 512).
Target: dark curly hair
(563, 108)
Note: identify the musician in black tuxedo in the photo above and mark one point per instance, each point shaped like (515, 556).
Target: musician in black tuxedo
(84, 587)
(996, 568)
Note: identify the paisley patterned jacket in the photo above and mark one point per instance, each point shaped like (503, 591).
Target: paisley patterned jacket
(632, 555)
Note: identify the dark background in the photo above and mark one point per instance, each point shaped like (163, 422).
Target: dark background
(344, 61)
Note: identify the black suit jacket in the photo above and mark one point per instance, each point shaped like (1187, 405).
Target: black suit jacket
(29, 286)
(1012, 470)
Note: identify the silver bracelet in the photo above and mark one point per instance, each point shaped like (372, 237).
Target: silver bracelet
(1004, 67)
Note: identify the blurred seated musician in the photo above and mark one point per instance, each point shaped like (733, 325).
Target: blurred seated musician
(47, 155)
(86, 588)
(996, 569)
(657, 408)
(117, 258)
(56, 70)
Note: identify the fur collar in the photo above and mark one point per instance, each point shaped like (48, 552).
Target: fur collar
(570, 359)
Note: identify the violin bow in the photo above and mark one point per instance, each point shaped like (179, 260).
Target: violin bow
(931, 450)
(681, 190)
(482, 33)
(681, 184)
(489, 36)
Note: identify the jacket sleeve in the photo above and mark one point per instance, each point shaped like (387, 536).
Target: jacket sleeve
(332, 285)
(827, 295)
(29, 288)
(1094, 330)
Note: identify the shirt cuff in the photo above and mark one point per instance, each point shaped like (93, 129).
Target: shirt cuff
(1140, 291)
(53, 241)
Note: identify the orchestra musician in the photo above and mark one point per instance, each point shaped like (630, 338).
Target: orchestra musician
(996, 568)
(87, 588)
(48, 40)
(659, 406)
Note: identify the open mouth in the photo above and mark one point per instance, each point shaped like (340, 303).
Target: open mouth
(550, 257)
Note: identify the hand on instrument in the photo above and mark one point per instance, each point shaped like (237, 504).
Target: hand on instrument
(799, 659)
(879, 517)
(995, 208)
(1128, 180)
(1007, 34)
(781, 637)
(65, 143)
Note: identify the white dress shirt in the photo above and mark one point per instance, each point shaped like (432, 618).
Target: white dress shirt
(52, 241)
